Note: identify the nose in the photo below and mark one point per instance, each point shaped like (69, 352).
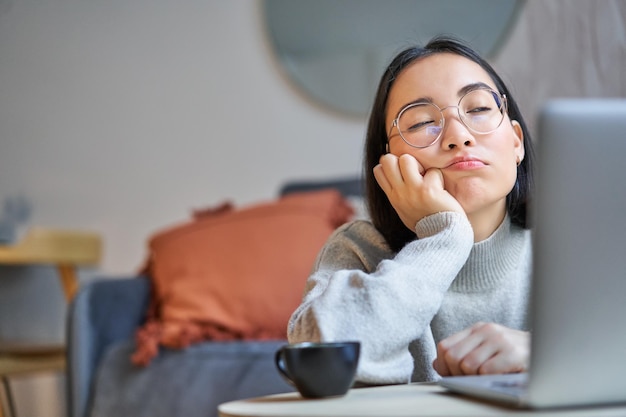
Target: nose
(455, 133)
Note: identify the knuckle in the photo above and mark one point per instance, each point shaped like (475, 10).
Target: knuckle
(503, 340)
(454, 362)
(484, 369)
(449, 357)
(490, 327)
(468, 366)
(445, 345)
(478, 325)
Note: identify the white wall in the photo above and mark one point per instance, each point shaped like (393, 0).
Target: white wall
(121, 116)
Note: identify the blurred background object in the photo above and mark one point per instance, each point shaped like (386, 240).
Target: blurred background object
(336, 51)
(16, 211)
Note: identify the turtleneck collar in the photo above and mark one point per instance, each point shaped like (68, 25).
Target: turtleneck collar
(492, 259)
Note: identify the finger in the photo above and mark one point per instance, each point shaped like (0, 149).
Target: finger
(480, 347)
(474, 361)
(389, 164)
(452, 349)
(434, 177)
(455, 338)
(496, 363)
(502, 350)
(439, 364)
(388, 158)
(457, 354)
(510, 351)
(381, 179)
(489, 345)
(501, 362)
(410, 169)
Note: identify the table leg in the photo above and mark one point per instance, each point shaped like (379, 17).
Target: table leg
(69, 280)
(5, 398)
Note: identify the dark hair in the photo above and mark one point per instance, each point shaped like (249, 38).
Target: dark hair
(381, 212)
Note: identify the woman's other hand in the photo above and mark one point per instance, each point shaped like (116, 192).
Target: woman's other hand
(412, 191)
(484, 348)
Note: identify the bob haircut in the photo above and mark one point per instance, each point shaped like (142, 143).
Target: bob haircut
(383, 216)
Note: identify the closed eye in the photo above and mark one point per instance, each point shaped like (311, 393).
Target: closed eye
(419, 126)
(484, 109)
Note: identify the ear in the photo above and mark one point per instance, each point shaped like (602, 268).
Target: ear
(519, 139)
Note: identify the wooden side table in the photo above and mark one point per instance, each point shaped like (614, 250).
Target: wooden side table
(66, 250)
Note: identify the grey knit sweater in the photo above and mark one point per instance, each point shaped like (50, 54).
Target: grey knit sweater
(399, 305)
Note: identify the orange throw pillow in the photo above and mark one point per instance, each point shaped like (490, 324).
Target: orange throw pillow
(235, 274)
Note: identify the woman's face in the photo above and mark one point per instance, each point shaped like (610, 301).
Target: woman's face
(479, 170)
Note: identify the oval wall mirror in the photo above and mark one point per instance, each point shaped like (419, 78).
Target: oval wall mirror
(336, 50)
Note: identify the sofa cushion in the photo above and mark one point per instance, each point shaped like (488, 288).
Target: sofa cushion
(235, 274)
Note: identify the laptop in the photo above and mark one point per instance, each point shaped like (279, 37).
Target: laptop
(578, 307)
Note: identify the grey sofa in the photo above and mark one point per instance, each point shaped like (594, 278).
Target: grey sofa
(102, 381)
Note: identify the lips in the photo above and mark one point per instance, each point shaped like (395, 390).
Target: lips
(465, 162)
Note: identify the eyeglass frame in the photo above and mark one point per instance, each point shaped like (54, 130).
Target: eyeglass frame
(395, 123)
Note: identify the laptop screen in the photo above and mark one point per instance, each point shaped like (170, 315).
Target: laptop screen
(579, 283)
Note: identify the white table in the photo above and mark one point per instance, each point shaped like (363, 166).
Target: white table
(390, 401)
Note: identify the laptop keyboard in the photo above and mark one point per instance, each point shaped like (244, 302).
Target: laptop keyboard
(512, 387)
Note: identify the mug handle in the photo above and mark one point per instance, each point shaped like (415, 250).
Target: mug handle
(280, 365)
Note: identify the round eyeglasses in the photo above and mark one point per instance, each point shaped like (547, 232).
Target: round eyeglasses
(421, 124)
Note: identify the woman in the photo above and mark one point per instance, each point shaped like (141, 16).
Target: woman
(438, 282)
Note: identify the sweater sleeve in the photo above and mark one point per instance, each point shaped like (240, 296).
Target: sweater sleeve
(360, 291)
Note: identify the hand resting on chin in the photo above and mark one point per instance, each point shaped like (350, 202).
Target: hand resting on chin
(412, 191)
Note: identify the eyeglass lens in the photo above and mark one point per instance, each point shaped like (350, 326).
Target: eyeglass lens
(480, 110)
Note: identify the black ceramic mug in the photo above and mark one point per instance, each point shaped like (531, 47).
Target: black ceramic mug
(319, 370)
